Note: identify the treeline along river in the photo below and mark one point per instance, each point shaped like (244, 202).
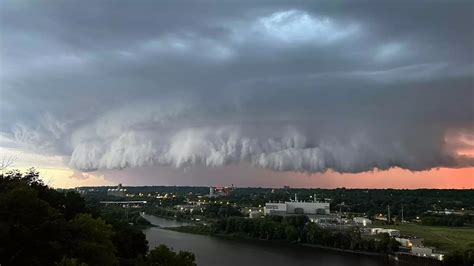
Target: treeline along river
(215, 251)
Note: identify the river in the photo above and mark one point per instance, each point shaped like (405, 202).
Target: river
(213, 251)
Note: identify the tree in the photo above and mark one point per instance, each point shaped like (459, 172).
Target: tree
(6, 162)
(32, 232)
(70, 262)
(92, 240)
(73, 204)
(42, 226)
(387, 244)
(164, 256)
(291, 233)
(130, 242)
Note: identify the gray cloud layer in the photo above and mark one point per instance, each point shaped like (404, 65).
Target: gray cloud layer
(287, 86)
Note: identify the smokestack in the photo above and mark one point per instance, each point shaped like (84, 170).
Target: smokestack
(314, 198)
(296, 198)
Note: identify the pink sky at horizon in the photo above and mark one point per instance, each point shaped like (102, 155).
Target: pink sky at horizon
(443, 178)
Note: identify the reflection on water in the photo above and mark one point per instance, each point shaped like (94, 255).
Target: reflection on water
(161, 222)
(212, 251)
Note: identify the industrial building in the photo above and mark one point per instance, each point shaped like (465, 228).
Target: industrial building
(117, 192)
(297, 207)
(362, 221)
(410, 241)
(326, 221)
(390, 232)
(215, 192)
(427, 252)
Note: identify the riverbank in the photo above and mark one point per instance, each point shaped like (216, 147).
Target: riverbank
(395, 256)
(164, 222)
(444, 238)
(217, 251)
(213, 249)
(191, 229)
(360, 252)
(398, 257)
(202, 230)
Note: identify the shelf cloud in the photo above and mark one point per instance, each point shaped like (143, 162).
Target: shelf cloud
(284, 86)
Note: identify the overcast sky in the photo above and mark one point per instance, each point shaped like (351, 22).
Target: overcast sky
(255, 88)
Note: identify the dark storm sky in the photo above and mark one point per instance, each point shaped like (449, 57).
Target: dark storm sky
(289, 86)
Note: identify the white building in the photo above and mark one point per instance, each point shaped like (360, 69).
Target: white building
(296, 207)
(362, 221)
(390, 232)
(422, 251)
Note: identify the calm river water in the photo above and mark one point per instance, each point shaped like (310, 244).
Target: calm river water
(212, 251)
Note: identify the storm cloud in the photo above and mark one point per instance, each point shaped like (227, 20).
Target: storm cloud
(289, 86)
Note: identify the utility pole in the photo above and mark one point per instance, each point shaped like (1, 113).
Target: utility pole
(388, 211)
(402, 213)
(126, 211)
(340, 216)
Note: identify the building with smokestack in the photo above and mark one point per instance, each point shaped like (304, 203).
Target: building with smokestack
(211, 192)
(215, 192)
(119, 191)
(297, 208)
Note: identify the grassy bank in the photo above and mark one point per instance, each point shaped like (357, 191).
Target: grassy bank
(444, 238)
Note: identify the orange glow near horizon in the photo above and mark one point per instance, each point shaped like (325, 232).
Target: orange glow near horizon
(397, 178)
(67, 178)
(442, 178)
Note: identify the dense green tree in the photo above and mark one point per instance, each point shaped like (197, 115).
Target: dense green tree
(291, 233)
(296, 228)
(164, 256)
(386, 244)
(73, 204)
(92, 240)
(130, 242)
(42, 226)
(216, 210)
(32, 232)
